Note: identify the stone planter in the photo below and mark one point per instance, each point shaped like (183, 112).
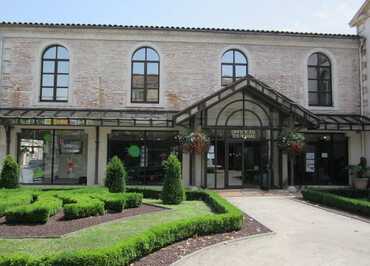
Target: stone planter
(360, 183)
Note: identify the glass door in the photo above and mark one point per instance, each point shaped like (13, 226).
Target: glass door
(243, 164)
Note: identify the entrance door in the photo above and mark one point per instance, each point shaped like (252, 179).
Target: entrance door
(243, 164)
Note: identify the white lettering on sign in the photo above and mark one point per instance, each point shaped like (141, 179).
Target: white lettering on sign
(244, 134)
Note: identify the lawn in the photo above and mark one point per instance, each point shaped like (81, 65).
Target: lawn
(106, 234)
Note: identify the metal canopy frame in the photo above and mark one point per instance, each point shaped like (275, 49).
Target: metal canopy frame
(344, 122)
(259, 90)
(86, 117)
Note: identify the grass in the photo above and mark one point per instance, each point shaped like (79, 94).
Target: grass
(106, 234)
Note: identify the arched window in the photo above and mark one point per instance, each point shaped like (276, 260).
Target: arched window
(145, 76)
(319, 80)
(234, 66)
(54, 74)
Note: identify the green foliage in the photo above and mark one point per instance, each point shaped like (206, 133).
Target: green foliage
(133, 200)
(173, 190)
(116, 176)
(9, 200)
(148, 193)
(228, 218)
(353, 205)
(79, 206)
(9, 177)
(37, 212)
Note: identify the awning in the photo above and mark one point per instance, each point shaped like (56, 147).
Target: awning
(86, 117)
(345, 122)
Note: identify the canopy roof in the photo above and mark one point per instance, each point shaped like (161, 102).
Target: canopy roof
(344, 122)
(85, 117)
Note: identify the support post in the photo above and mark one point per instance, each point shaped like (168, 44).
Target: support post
(97, 144)
(8, 138)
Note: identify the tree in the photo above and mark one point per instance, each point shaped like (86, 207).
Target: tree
(116, 176)
(173, 191)
(9, 177)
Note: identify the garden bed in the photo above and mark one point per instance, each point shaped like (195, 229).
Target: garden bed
(168, 255)
(126, 240)
(353, 201)
(58, 226)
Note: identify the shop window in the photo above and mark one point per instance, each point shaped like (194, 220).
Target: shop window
(143, 153)
(52, 156)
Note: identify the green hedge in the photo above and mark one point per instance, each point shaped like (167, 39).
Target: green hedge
(228, 218)
(79, 206)
(37, 212)
(15, 199)
(133, 200)
(357, 206)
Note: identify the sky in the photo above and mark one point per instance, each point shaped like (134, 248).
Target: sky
(324, 16)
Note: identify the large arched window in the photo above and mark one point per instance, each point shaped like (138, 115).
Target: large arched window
(319, 80)
(54, 74)
(145, 76)
(234, 66)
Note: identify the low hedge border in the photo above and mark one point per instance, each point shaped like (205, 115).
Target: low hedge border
(118, 202)
(37, 212)
(80, 206)
(352, 205)
(20, 198)
(228, 218)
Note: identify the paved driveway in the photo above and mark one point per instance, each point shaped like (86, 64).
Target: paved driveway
(304, 235)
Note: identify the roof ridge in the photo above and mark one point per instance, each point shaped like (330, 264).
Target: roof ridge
(178, 28)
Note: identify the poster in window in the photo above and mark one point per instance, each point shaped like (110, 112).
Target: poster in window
(69, 146)
(310, 166)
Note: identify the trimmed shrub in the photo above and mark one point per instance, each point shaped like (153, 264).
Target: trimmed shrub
(133, 200)
(173, 191)
(37, 212)
(116, 173)
(9, 177)
(128, 250)
(148, 193)
(15, 199)
(115, 202)
(357, 206)
(76, 206)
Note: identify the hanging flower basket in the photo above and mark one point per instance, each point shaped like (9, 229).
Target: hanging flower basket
(195, 142)
(292, 142)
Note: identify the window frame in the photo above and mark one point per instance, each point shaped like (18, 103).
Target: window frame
(321, 94)
(233, 65)
(55, 74)
(145, 61)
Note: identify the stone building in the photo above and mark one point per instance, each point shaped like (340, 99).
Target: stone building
(72, 96)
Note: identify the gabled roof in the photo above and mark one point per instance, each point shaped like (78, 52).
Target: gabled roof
(258, 89)
(361, 14)
(180, 29)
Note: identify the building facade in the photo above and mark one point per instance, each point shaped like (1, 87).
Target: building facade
(73, 96)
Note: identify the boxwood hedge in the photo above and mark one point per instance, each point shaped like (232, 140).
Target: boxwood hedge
(79, 206)
(37, 212)
(227, 218)
(16, 199)
(331, 199)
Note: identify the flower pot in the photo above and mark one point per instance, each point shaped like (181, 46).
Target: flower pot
(360, 183)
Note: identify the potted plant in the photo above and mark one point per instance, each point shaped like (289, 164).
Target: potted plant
(196, 142)
(360, 174)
